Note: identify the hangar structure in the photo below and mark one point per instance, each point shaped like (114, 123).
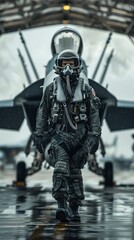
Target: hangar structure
(111, 15)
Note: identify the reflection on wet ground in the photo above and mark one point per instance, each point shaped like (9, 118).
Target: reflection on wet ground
(107, 213)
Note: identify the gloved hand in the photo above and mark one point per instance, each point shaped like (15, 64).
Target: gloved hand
(38, 141)
(94, 144)
(41, 140)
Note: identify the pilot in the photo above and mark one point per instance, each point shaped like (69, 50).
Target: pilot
(68, 118)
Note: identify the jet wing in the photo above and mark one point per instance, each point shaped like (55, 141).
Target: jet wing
(31, 93)
(11, 117)
(120, 116)
(102, 92)
(12, 112)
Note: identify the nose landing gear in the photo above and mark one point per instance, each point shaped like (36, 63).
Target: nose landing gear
(108, 175)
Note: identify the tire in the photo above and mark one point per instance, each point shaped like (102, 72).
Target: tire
(21, 172)
(108, 174)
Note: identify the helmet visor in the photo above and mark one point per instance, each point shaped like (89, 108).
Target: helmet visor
(72, 62)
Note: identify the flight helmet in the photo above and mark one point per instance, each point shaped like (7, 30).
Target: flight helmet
(68, 62)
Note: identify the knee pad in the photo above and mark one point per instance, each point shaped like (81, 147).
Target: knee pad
(59, 186)
(57, 182)
(61, 167)
(78, 188)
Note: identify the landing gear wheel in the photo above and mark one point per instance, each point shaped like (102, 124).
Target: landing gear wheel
(21, 173)
(108, 174)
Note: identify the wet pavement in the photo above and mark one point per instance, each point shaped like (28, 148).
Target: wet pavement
(107, 213)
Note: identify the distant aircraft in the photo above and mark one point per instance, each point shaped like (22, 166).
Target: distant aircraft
(10, 151)
(118, 114)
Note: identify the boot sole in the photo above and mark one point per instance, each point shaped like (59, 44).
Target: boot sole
(75, 219)
(61, 214)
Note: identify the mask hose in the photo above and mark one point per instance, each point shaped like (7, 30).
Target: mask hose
(74, 127)
(66, 73)
(68, 86)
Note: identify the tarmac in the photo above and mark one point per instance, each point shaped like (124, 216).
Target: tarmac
(29, 213)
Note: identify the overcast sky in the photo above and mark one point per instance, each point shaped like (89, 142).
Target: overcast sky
(120, 75)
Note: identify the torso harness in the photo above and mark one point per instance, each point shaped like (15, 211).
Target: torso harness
(75, 110)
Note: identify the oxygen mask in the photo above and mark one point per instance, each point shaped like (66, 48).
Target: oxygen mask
(67, 70)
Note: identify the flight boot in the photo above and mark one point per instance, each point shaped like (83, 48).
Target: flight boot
(74, 214)
(62, 213)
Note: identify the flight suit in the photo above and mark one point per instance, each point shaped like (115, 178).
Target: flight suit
(69, 147)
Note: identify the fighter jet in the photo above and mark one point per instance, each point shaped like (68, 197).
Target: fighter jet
(25, 104)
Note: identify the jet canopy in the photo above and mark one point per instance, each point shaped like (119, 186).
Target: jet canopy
(66, 38)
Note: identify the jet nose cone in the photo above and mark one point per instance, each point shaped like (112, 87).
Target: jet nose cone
(66, 38)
